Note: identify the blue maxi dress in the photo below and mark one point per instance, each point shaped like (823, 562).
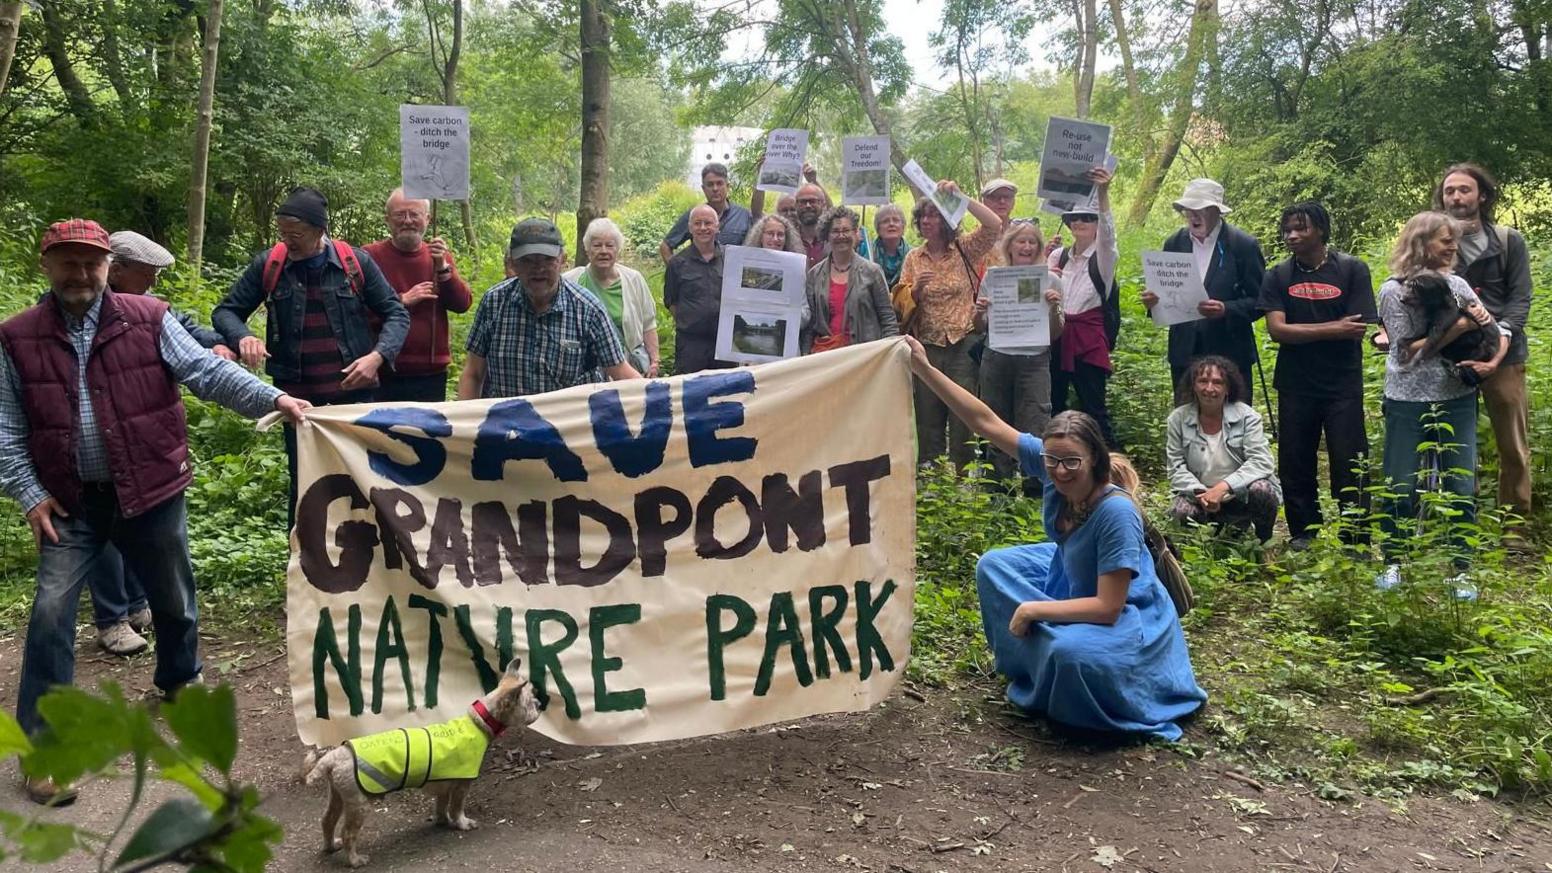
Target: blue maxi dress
(1130, 677)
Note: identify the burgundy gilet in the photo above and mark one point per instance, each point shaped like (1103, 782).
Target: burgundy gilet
(134, 398)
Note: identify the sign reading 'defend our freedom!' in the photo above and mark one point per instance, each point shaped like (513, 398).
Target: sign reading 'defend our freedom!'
(865, 170)
(434, 152)
(669, 558)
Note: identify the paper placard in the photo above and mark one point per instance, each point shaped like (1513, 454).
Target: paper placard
(1019, 317)
(762, 304)
(1060, 206)
(951, 206)
(1172, 276)
(434, 152)
(782, 170)
(1072, 148)
(865, 170)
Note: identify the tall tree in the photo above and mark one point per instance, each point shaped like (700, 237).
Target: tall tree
(205, 119)
(593, 199)
(1203, 29)
(10, 26)
(56, 47)
(1140, 127)
(445, 56)
(975, 38)
(1086, 15)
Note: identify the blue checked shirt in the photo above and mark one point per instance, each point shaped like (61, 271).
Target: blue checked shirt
(209, 377)
(528, 353)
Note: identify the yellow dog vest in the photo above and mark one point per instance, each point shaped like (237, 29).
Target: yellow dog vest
(411, 757)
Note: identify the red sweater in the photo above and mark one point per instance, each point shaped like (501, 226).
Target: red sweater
(425, 350)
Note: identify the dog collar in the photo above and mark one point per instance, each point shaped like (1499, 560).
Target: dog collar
(495, 726)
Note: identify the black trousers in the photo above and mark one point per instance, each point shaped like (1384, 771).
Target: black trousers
(429, 388)
(1301, 420)
(1090, 382)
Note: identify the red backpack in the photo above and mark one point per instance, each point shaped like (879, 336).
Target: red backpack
(276, 263)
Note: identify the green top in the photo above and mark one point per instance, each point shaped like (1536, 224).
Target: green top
(613, 299)
(409, 758)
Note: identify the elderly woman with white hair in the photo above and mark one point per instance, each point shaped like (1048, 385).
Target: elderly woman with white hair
(623, 292)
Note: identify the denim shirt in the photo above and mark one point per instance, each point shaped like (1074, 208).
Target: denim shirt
(1185, 449)
(286, 307)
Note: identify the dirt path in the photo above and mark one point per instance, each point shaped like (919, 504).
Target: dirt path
(953, 783)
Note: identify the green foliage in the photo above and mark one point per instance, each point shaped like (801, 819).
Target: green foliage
(217, 827)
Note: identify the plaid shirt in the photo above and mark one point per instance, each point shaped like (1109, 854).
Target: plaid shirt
(527, 352)
(208, 376)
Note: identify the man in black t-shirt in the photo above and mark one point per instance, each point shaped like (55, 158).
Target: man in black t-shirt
(1318, 304)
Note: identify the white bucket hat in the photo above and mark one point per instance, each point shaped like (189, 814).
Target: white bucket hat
(1202, 193)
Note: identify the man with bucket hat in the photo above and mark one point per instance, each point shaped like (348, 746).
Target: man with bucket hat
(94, 446)
(1231, 266)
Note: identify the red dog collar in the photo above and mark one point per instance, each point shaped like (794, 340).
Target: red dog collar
(495, 726)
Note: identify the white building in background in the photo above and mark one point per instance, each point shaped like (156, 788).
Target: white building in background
(716, 144)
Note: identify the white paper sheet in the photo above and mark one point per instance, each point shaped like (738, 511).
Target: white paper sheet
(865, 170)
(1072, 148)
(762, 304)
(1019, 317)
(434, 152)
(785, 151)
(951, 206)
(1172, 276)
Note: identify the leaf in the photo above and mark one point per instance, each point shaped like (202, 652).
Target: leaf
(190, 778)
(86, 733)
(590, 784)
(205, 722)
(12, 740)
(171, 828)
(38, 842)
(247, 850)
(1106, 856)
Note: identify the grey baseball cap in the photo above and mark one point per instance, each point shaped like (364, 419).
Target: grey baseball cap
(536, 236)
(130, 246)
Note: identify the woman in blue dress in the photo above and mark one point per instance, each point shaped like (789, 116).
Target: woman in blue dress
(1081, 626)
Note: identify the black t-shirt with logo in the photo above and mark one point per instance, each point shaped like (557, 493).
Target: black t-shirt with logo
(1338, 288)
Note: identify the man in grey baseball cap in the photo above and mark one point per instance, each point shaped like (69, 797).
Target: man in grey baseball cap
(538, 331)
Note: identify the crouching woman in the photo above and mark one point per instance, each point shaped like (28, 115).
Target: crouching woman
(1081, 626)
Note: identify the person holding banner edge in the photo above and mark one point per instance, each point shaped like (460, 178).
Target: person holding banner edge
(935, 302)
(1080, 625)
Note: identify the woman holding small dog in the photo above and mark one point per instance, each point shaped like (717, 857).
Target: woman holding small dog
(1423, 388)
(1081, 625)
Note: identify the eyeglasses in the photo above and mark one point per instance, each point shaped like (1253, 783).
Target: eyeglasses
(1081, 219)
(1070, 463)
(1021, 221)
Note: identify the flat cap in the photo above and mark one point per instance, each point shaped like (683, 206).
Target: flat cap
(130, 246)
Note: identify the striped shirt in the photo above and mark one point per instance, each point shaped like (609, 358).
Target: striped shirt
(209, 377)
(322, 363)
(526, 352)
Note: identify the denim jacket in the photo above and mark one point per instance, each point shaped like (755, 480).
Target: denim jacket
(287, 306)
(1185, 449)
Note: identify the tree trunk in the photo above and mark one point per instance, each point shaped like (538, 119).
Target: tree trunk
(1133, 88)
(1088, 50)
(10, 26)
(450, 94)
(852, 47)
(205, 120)
(593, 199)
(77, 98)
(1185, 83)
(112, 60)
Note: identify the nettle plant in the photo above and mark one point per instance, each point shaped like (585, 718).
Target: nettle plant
(214, 827)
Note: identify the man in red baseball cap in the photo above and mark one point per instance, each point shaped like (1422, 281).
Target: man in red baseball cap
(94, 445)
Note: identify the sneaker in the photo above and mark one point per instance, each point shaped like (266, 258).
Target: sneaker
(1300, 543)
(120, 639)
(140, 619)
(1389, 578)
(168, 694)
(1463, 587)
(43, 791)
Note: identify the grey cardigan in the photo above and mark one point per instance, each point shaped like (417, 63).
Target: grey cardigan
(1185, 449)
(869, 314)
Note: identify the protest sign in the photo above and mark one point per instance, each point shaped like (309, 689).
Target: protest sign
(1019, 317)
(669, 558)
(865, 170)
(434, 152)
(1068, 204)
(951, 206)
(782, 170)
(762, 304)
(1072, 148)
(1172, 276)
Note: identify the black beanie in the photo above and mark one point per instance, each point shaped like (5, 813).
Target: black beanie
(306, 204)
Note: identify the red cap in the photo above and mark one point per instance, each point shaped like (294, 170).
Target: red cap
(75, 230)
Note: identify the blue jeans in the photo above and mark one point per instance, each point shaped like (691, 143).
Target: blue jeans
(1409, 423)
(155, 547)
(116, 591)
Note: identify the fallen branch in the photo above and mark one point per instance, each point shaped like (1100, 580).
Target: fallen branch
(1244, 780)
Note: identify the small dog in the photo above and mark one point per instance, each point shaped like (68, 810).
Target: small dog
(444, 757)
(1429, 293)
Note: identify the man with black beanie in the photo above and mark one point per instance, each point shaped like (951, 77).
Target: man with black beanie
(317, 292)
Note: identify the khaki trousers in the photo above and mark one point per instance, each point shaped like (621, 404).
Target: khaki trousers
(1508, 408)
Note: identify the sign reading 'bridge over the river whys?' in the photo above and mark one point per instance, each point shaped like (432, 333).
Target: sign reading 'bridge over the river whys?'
(669, 557)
